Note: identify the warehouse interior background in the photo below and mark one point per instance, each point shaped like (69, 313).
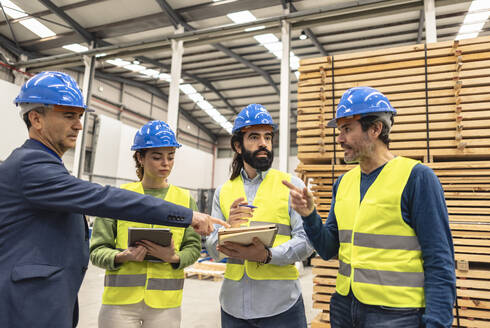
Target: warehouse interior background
(231, 57)
(196, 64)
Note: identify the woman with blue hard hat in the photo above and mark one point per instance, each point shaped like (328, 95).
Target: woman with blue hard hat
(137, 290)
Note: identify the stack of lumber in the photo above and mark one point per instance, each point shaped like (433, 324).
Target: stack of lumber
(442, 94)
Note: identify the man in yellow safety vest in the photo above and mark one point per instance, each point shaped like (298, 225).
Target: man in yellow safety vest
(261, 287)
(388, 224)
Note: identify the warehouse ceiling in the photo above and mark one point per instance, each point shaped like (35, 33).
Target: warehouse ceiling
(225, 64)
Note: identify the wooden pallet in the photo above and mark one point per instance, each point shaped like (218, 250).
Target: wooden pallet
(473, 293)
(206, 270)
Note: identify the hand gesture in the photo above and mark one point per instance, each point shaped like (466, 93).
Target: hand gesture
(134, 254)
(301, 200)
(166, 254)
(203, 224)
(238, 214)
(253, 252)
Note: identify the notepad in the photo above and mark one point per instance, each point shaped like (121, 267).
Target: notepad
(245, 235)
(160, 236)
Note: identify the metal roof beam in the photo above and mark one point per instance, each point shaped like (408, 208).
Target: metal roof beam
(155, 91)
(87, 36)
(17, 51)
(147, 22)
(177, 19)
(421, 26)
(201, 80)
(300, 19)
(311, 35)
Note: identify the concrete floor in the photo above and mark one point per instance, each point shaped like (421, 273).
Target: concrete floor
(200, 299)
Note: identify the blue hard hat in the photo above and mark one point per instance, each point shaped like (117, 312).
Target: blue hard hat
(253, 114)
(51, 88)
(361, 101)
(155, 134)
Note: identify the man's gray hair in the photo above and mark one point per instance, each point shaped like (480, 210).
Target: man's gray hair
(27, 107)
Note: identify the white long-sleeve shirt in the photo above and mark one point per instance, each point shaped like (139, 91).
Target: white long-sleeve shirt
(248, 298)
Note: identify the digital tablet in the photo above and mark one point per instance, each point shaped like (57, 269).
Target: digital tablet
(160, 236)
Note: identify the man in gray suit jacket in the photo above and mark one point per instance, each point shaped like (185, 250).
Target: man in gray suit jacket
(43, 232)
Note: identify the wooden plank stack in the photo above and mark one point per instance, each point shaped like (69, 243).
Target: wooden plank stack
(442, 94)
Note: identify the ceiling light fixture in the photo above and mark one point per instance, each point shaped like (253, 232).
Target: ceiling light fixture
(303, 36)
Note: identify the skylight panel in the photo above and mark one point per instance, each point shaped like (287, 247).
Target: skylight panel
(75, 47)
(474, 20)
(242, 17)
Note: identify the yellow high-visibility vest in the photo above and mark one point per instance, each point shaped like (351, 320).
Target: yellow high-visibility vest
(379, 256)
(271, 201)
(157, 283)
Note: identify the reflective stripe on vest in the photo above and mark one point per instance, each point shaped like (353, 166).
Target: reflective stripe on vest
(139, 280)
(158, 284)
(379, 255)
(272, 202)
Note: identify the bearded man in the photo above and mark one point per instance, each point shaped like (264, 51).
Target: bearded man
(261, 287)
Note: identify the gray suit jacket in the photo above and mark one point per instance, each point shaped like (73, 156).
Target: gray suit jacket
(44, 235)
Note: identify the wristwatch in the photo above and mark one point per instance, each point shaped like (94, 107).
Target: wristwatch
(269, 255)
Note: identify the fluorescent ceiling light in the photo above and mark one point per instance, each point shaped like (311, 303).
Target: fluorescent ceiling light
(135, 68)
(266, 38)
(255, 28)
(187, 89)
(274, 47)
(101, 55)
(165, 77)
(278, 54)
(196, 97)
(205, 105)
(150, 73)
(75, 47)
(36, 27)
(242, 17)
(118, 62)
(227, 126)
(297, 75)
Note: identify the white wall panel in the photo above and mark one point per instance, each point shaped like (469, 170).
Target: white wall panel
(192, 169)
(137, 99)
(126, 166)
(107, 152)
(110, 91)
(14, 131)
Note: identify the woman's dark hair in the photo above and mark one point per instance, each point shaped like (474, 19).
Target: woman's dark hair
(370, 120)
(237, 163)
(140, 170)
(25, 117)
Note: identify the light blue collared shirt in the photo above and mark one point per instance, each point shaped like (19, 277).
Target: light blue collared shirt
(248, 298)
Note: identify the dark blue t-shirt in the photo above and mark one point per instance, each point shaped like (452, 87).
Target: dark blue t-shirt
(424, 209)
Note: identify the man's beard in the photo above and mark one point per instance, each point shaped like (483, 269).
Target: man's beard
(258, 163)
